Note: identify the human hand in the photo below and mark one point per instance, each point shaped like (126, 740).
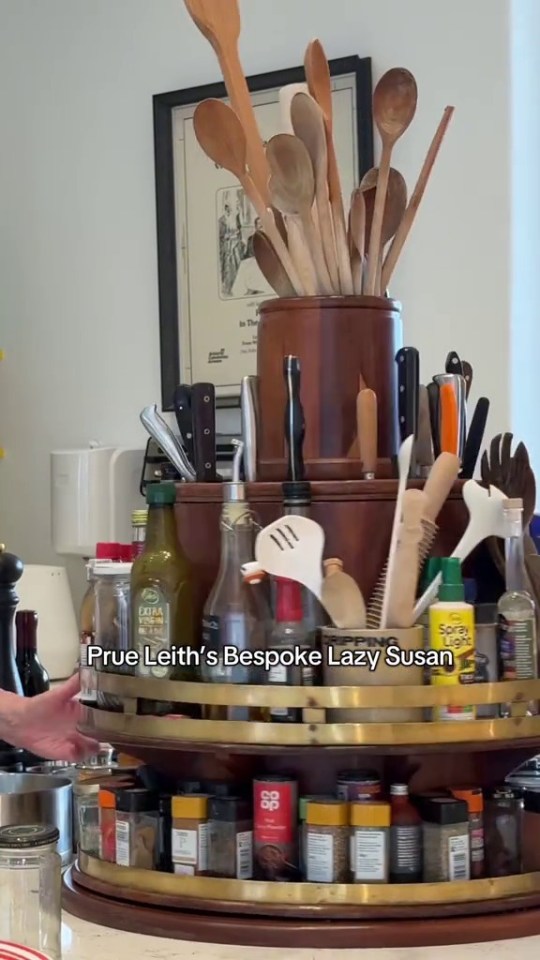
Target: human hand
(46, 725)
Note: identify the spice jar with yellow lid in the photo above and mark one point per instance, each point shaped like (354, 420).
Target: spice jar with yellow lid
(190, 834)
(370, 841)
(327, 841)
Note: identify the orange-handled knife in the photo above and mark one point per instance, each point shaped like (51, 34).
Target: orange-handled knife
(449, 419)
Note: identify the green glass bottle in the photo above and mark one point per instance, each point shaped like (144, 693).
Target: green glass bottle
(162, 601)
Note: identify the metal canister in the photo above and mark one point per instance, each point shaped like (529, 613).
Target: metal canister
(358, 785)
(275, 828)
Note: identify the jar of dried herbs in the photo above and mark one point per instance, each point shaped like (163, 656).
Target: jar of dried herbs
(502, 832)
(231, 838)
(136, 828)
(327, 841)
(446, 839)
(370, 847)
(86, 796)
(189, 839)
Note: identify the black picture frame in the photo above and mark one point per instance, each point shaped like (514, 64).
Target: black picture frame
(163, 106)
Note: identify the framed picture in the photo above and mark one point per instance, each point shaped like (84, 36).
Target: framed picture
(210, 286)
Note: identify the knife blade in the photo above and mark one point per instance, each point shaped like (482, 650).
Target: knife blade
(249, 410)
(408, 370)
(203, 416)
(475, 438)
(294, 418)
(160, 431)
(184, 419)
(424, 443)
(433, 397)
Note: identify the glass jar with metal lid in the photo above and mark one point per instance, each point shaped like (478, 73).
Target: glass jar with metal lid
(112, 623)
(30, 888)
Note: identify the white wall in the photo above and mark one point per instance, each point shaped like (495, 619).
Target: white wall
(78, 291)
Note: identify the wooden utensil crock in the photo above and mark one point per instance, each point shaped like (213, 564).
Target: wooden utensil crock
(336, 340)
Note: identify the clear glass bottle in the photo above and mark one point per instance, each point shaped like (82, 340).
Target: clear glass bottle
(105, 553)
(297, 502)
(234, 616)
(139, 519)
(112, 624)
(289, 633)
(30, 888)
(516, 611)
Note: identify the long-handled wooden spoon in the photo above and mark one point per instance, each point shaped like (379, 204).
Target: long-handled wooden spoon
(271, 266)
(394, 208)
(394, 106)
(341, 597)
(221, 136)
(357, 237)
(219, 22)
(404, 228)
(407, 569)
(308, 125)
(292, 190)
(320, 88)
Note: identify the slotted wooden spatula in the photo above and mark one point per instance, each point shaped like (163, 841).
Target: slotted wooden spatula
(291, 547)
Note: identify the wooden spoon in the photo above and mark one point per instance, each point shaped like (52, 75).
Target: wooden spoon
(394, 208)
(404, 228)
(407, 566)
(308, 124)
(394, 106)
(221, 136)
(341, 597)
(219, 22)
(320, 87)
(270, 265)
(292, 189)
(357, 237)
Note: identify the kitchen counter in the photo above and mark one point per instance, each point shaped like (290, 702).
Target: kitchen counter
(86, 941)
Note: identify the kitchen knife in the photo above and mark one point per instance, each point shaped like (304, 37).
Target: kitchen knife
(184, 419)
(294, 418)
(366, 426)
(424, 443)
(433, 397)
(475, 438)
(449, 419)
(408, 370)
(457, 384)
(453, 363)
(203, 416)
(166, 440)
(468, 374)
(249, 409)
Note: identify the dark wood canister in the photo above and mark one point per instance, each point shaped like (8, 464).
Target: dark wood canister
(336, 340)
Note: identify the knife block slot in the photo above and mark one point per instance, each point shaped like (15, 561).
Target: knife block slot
(337, 340)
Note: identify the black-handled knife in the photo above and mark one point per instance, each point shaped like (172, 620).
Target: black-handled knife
(408, 381)
(475, 438)
(203, 418)
(453, 363)
(434, 416)
(295, 427)
(182, 410)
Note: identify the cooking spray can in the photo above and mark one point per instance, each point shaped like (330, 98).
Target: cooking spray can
(452, 636)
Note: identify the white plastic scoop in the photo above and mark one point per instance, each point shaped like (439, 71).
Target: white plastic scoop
(291, 547)
(486, 519)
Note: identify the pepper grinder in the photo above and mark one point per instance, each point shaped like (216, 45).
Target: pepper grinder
(11, 571)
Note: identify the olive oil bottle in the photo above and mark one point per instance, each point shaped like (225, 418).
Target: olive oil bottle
(163, 625)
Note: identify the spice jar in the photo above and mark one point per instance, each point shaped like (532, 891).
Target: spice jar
(446, 839)
(502, 833)
(370, 847)
(30, 888)
(112, 623)
(530, 831)
(231, 838)
(358, 785)
(275, 831)
(86, 797)
(405, 837)
(474, 799)
(327, 841)
(189, 843)
(136, 828)
(107, 825)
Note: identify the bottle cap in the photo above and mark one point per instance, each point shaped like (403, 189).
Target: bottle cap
(399, 790)
(472, 796)
(107, 799)
(327, 813)
(139, 518)
(161, 494)
(451, 589)
(375, 813)
(192, 806)
(33, 835)
(107, 551)
(433, 568)
(126, 553)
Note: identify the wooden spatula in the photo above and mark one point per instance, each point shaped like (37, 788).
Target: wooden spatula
(341, 597)
(407, 564)
(219, 22)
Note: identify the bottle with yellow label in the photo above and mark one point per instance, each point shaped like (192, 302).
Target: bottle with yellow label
(452, 636)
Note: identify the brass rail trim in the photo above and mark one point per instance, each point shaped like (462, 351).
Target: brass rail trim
(307, 894)
(104, 724)
(360, 697)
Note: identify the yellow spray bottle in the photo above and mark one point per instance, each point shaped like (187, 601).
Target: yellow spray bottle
(452, 631)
